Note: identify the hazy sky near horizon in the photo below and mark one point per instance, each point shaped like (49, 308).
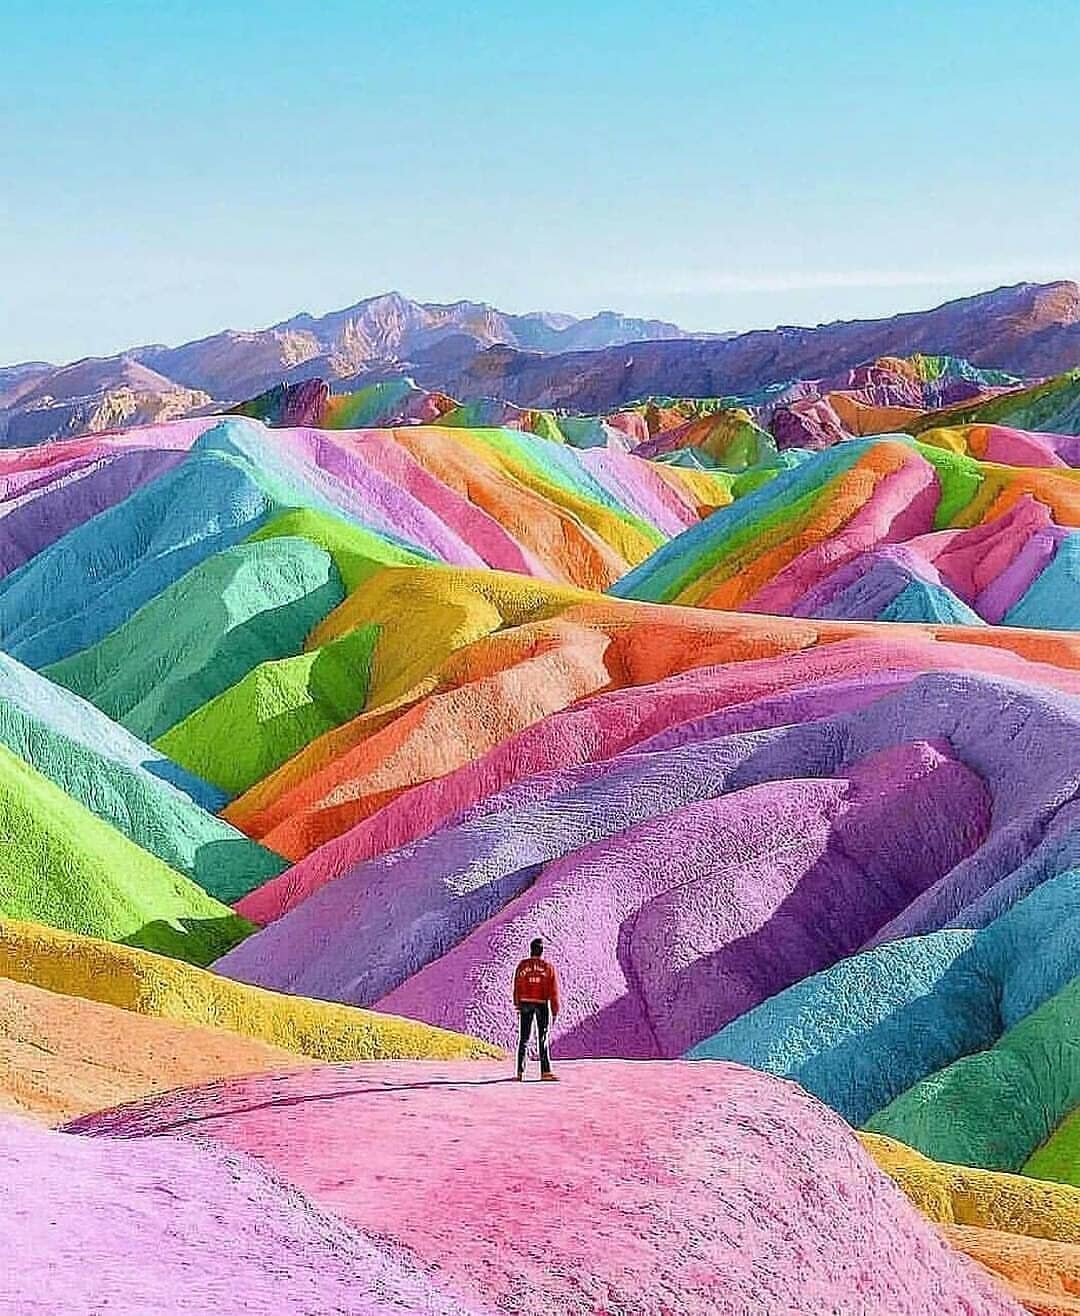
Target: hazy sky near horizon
(171, 168)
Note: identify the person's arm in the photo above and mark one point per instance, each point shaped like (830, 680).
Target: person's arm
(517, 997)
(554, 993)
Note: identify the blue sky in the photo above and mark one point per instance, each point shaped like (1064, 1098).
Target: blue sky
(167, 169)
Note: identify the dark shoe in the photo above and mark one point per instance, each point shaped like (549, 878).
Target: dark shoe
(549, 1078)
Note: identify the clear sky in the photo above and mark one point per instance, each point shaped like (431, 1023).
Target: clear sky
(171, 167)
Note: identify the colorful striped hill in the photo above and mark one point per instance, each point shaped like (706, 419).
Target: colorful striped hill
(764, 712)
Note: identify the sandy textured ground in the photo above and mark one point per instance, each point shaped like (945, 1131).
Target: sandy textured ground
(627, 1188)
(62, 1056)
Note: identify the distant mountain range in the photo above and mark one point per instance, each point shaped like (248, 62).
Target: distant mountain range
(376, 338)
(1029, 329)
(472, 350)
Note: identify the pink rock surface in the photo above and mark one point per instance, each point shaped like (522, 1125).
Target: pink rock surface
(970, 560)
(17, 464)
(1015, 447)
(652, 1190)
(165, 1226)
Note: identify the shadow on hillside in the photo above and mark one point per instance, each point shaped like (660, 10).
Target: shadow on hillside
(198, 941)
(957, 1014)
(235, 649)
(28, 532)
(227, 1112)
(872, 864)
(200, 792)
(231, 868)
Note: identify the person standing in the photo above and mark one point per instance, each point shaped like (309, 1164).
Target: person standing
(536, 998)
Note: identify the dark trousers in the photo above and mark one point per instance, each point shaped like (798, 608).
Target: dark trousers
(527, 1012)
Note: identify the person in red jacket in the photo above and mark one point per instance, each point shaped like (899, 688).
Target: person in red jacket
(536, 996)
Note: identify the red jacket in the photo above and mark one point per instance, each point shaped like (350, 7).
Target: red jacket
(535, 982)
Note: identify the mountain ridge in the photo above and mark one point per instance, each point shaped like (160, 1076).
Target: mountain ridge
(1028, 328)
(537, 359)
(388, 327)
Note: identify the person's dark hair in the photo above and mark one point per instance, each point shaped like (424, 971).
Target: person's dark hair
(536, 946)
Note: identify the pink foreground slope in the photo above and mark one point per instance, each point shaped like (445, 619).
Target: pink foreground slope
(167, 1226)
(655, 1189)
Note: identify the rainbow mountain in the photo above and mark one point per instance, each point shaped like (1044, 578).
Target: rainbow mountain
(762, 708)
